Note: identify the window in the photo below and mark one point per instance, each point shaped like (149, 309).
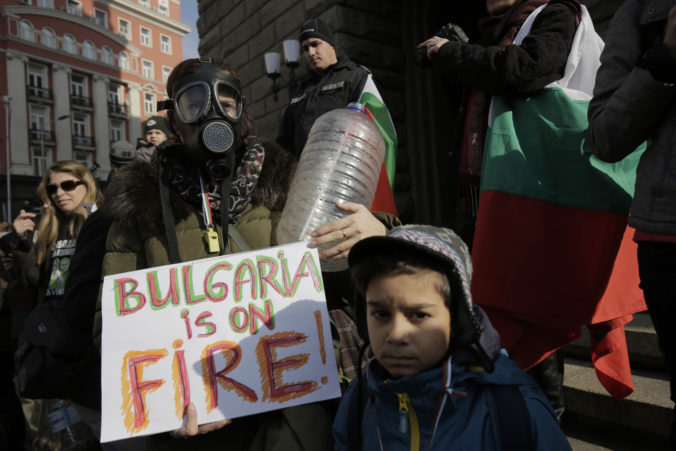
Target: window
(148, 70)
(146, 37)
(145, 3)
(82, 157)
(114, 94)
(79, 125)
(78, 85)
(48, 38)
(74, 7)
(37, 76)
(38, 118)
(165, 44)
(116, 130)
(124, 28)
(106, 55)
(165, 73)
(89, 50)
(26, 30)
(149, 103)
(101, 18)
(41, 160)
(123, 61)
(69, 44)
(163, 7)
(46, 3)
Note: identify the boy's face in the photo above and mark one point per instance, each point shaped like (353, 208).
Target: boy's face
(408, 322)
(155, 137)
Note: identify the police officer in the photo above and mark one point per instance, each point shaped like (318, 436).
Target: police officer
(333, 82)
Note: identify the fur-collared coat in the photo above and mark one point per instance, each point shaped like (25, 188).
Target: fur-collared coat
(137, 237)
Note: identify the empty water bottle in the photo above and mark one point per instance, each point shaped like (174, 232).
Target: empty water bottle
(341, 161)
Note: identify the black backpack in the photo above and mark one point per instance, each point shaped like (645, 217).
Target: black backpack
(53, 361)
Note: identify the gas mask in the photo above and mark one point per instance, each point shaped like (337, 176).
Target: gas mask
(207, 106)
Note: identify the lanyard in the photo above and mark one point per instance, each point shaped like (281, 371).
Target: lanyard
(210, 234)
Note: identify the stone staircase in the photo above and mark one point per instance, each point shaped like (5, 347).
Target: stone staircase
(594, 420)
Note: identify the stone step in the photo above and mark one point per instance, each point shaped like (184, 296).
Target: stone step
(644, 351)
(594, 418)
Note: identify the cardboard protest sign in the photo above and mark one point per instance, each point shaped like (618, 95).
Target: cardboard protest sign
(235, 334)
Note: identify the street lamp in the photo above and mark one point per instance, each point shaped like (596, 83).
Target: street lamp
(291, 60)
(6, 100)
(42, 130)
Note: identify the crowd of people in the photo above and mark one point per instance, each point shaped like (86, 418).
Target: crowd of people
(424, 366)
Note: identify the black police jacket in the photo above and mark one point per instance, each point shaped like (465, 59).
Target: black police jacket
(341, 84)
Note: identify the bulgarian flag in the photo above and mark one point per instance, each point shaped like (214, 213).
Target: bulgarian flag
(370, 98)
(552, 251)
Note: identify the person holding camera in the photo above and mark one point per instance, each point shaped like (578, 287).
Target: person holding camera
(494, 66)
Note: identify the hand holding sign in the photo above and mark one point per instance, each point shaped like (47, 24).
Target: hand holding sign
(191, 428)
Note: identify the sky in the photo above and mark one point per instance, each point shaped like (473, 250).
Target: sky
(189, 17)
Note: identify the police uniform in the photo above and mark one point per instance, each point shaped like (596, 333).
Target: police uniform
(339, 85)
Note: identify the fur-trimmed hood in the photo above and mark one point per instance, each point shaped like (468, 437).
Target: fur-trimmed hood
(133, 196)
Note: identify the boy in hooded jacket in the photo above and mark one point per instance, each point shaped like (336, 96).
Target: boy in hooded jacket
(438, 378)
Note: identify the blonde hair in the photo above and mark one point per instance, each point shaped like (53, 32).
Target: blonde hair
(48, 229)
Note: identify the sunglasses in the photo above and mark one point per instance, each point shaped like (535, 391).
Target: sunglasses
(68, 185)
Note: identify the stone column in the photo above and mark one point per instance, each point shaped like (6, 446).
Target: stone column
(62, 128)
(135, 101)
(101, 123)
(16, 87)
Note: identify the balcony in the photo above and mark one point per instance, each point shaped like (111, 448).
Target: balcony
(116, 109)
(36, 93)
(86, 142)
(81, 102)
(39, 135)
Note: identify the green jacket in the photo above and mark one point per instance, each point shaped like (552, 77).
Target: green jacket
(137, 240)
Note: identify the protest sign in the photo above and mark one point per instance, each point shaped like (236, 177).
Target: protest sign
(235, 334)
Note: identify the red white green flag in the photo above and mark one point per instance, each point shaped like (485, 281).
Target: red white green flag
(371, 99)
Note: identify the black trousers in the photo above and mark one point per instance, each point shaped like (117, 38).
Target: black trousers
(657, 270)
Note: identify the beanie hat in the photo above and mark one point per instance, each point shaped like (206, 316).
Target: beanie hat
(317, 28)
(121, 153)
(156, 123)
(448, 250)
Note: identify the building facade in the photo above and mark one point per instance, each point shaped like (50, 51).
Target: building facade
(76, 75)
(381, 35)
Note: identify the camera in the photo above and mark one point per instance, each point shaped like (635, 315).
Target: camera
(450, 31)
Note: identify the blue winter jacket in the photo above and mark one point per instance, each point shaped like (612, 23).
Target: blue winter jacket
(402, 411)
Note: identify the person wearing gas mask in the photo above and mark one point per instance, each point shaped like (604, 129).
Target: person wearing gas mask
(210, 190)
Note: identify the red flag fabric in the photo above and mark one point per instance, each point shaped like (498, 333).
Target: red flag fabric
(384, 199)
(542, 270)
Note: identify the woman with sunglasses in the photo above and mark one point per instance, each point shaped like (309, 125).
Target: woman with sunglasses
(69, 194)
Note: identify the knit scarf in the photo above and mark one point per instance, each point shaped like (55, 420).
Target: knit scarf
(187, 183)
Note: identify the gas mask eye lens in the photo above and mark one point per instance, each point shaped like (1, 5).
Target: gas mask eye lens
(229, 101)
(192, 102)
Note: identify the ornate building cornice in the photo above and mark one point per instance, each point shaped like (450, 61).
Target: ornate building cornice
(19, 11)
(141, 12)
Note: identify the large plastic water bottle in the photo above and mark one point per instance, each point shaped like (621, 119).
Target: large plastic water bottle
(341, 161)
(70, 432)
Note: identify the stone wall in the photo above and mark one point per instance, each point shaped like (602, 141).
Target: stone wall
(379, 34)
(243, 31)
